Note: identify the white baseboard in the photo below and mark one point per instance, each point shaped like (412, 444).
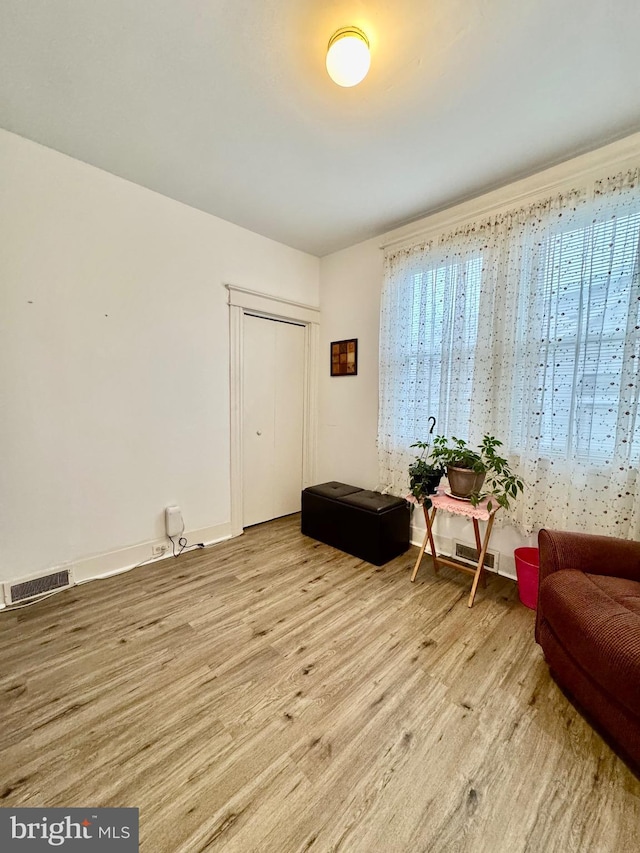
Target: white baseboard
(124, 559)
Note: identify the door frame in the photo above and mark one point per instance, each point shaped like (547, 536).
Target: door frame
(242, 301)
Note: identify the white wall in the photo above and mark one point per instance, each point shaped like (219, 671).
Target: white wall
(114, 360)
(351, 282)
(349, 404)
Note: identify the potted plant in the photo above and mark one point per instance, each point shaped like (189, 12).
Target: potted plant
(424, 475)
(468, 470)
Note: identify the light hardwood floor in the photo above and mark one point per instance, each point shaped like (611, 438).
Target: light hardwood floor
(271, 694)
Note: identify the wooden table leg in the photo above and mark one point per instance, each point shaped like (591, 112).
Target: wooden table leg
(476, 530)
(429, 523)
(419, 560)
(428, 537)
(483, 554)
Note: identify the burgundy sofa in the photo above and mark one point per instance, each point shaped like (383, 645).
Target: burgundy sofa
(588, 624)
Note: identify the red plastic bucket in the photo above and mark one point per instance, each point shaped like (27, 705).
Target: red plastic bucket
(527, 569)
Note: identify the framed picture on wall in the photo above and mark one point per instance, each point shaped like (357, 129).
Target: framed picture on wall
(344, 357)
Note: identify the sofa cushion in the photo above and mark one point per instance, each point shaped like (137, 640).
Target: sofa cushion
(597, 620)
(621, 590)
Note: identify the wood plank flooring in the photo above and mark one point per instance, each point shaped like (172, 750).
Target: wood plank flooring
(272, 694)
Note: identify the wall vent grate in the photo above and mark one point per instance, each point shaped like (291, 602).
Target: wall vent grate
(470, 554)
(16, 592)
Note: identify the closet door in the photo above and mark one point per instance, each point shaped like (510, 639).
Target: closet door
(273, 394)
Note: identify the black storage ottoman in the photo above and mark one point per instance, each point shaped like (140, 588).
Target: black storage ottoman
(368, 525)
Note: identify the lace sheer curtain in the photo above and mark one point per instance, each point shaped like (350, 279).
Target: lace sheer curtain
(526, 326)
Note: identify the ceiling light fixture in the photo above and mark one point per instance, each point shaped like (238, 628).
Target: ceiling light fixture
(348, 57)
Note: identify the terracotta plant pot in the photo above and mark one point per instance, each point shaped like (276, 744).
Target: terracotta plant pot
(464, 481)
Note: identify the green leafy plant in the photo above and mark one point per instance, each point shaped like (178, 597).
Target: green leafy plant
(424, 475)
(500, 483)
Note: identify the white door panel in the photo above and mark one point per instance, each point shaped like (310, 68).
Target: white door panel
(273, 389)
(258, 418)
(288, 419)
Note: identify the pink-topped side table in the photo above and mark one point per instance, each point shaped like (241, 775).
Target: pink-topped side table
(442, 501)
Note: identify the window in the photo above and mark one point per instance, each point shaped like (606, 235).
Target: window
(525, 326)
(443, 339)
(584, 297)
(435, 360)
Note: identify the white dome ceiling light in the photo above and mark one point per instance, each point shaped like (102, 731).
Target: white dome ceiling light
(348, 57)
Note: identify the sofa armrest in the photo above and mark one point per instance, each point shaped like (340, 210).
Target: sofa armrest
(597, 555)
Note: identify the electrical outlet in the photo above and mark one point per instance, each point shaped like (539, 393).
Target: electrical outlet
(159, 550)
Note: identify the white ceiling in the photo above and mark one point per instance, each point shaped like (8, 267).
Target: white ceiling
(226, 105)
